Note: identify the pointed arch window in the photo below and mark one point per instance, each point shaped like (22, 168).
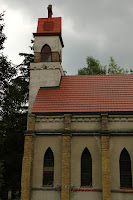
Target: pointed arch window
(125, 169)
(48, 168)
(86, 168)
(46, 53)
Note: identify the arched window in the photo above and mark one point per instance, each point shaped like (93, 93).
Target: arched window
(125, 169)
(86, 168)
(46, 53)
(48, 168)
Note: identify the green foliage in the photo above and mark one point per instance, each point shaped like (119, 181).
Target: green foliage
(14, 81)
(23, 79)
(2, 35)
(114, 68)
(7, 73)
(93, 67)
(131, 71)
(1, 175)
(13, 127)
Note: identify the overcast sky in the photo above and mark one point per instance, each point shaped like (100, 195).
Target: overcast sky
(98, 28)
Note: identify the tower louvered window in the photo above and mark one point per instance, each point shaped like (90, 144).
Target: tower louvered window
(46, 53)
(48, 170)
(125, 169)
(86, 168)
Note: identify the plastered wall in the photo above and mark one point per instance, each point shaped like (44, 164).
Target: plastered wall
(43, 75)
(117, 144)
(45, 195)
(41, 145)
(118, 140)
(52, 41)
(94, 146)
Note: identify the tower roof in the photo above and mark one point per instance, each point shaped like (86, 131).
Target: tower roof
(49, 26)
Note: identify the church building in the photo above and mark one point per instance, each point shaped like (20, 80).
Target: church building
(79, 138)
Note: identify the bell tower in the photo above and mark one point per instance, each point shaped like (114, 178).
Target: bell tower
(46, 71)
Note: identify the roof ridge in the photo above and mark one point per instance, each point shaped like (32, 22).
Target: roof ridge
(98, 75)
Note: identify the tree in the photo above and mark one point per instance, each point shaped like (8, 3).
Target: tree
(1, 176)
(24, 76)
(93, 67)
(10, 103)
(24, 69)
(14, 81)
(2, 83)
(114, 68)
(131, 71)
(2, 35)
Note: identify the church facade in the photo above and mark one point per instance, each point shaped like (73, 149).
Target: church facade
(79, 138)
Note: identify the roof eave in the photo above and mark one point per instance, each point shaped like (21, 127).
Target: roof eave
(85, 113)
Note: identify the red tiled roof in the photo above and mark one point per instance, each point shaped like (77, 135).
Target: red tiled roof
(49, 25)
(97, 93)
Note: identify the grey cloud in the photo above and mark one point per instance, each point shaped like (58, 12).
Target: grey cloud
(102, 28)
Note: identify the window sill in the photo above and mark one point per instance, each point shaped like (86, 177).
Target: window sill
(123, 190)
(47, 186)
(89, 186)
(126, 188)
(86, 189)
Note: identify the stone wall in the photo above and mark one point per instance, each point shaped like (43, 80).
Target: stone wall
(55, 57)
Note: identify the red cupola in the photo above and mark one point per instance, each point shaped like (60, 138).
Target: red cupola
(49, 26)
